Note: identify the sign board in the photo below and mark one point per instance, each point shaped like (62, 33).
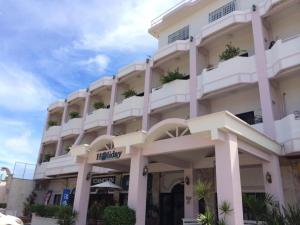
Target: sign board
(99, 180)
(108, 155)
(65, 197)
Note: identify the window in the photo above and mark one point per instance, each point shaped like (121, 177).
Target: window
(222, 11)
(248, 117)
(181, 34)
(56, 200)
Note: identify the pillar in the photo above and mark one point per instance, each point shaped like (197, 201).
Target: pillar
(147, 91)
(193, 79)
(228, 178)
(137, 193)
(191, 207)
(63, 121)
(274, 187)
(112, 105)
(84, 115)
(82, 192)
(262, 74)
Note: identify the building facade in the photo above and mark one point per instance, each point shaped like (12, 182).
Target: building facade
(232, 121)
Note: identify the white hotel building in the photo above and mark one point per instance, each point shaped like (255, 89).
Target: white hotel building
(235, 123)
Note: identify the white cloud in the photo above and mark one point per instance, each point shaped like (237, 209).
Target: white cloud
(22, 91)
(101, 62)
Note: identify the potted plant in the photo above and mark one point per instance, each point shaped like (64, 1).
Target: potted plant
(129, 93)
(96, 212)
(99, 105)
(74, 115)
(47, 157)
(229, 52)
(52, 123)
(66, 216)
(116, 215)
(171, 76)
(67, 148)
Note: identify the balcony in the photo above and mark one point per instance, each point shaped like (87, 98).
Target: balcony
(72, 127)
(103, 82)
(129, 107)
(57, 105)
(40, 170)
(51, 134)
(283, 55)
(64, 164)
(171, 93)
(136, 67)
(288, 133)
(97, 118)
(228, 74)
(76, 95)
(177, 46)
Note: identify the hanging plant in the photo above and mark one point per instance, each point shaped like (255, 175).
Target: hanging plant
(129, 93)
(172, 75)
(74, 115)
(99, 105)
(229, 52)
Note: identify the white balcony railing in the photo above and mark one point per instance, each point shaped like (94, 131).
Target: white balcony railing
(129, 107)
(227, 74)
(51, 134)
(64, 164)
(287, 133)
(72, 127)
(103, 82)
(78, 94)
(131, 68)
(98, 118)
(57, 105)
(283, 55)
(176, 91)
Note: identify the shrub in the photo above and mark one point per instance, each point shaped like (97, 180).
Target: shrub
(119, 215)
(74, 115)
(66, 215)
(229, 52)
(28, 203)
(52, 123)
(129, 93)
(99, 105)
(47, 157)
(47, 211)
(172, 75)
(2, 205)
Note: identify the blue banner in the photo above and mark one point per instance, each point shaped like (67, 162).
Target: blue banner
(65, 197)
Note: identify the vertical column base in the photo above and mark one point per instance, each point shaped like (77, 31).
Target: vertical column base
(191, 207)
(137, 194)
(82, 193)
(228, 178)
(274, 186)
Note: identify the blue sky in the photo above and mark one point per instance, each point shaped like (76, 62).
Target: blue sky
(50, 48)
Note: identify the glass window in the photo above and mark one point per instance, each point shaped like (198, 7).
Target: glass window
(182, 34)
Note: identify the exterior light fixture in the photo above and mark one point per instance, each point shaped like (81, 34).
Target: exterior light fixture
(88, 176)
(191, 38)
(268, 177)
(145, 170)
(187, 180)
(253, 8)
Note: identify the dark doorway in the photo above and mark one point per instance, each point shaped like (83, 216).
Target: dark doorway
(172, 206)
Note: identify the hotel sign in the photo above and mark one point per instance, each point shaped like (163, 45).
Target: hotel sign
(108, 155)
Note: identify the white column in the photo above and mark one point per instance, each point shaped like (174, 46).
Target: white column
(274, 187)
(228, 177)
(191, 207)
(63, 121)
(112, 105)
(193, 79)
(82, 192)
(137, 194)
(147, 91)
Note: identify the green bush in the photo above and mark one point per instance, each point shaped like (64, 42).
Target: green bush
(2, 205)
(48, 211)
(52, 123)
(129, 93)
(74, 115)
(99, 105)
(119, 215)
(47, 157)
(172, 75)
(229, 52)
(66, 215)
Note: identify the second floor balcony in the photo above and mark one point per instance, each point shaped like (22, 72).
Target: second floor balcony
(51, 134)
(72, 127)
(129, 107)
(98, 118)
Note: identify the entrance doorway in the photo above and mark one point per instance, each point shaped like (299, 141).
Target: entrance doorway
(172, 206)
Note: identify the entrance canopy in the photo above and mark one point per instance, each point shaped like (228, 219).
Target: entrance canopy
(175, 136)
